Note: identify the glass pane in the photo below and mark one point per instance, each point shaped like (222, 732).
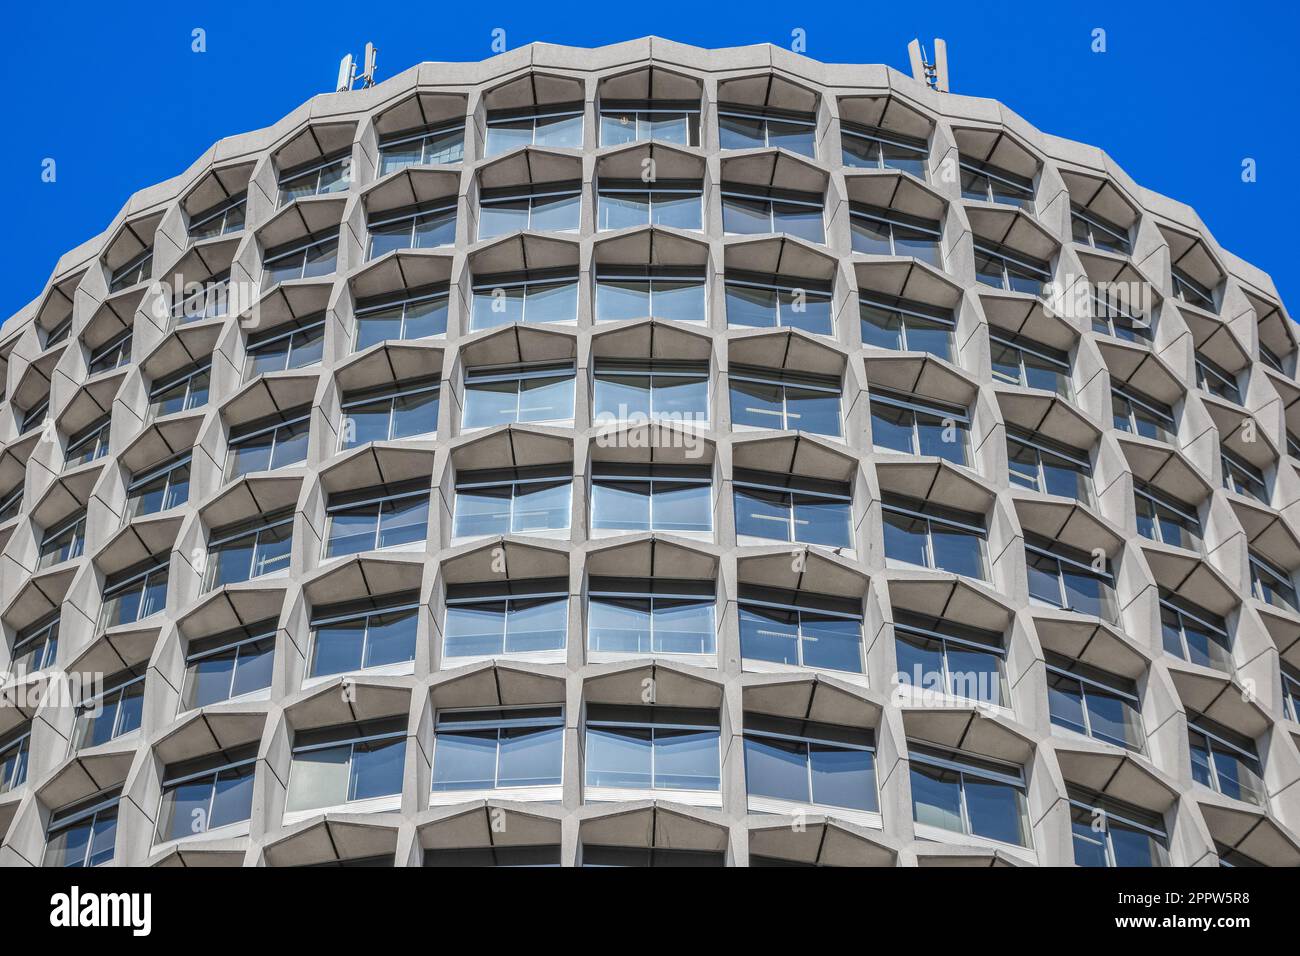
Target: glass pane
(499, 306)
(537, 624)
(936, 797)
(253, 671)
(996, 811)
(465, 760)
(767, 634)
(556, 213)
(683, 627)
(958, 552)
(404, 521)
(483, 511)
(338, 647)
(415, 414)
(620, 397)
(185, 810)
(818, 521)
(777, 768)
(891, 428)
(390, 638)
(832, 643)
(843, 778)
(746, 216)
(531, 757)
(620, 505)
(740, 132)
(546, 399)
(677, 211)
(319, 778)
(681, 507)
(619, 299)
(686, 759)
(562, 131)
(1065, 701)
(796, 137)
(763, 514)
(475, 629)
(352, 530)
(232, 800)
(377, 769)
(619, 625)
(625, 210)
(810, 311)
(812, 411)
(751, 307)
(679, 301)
(619, 757)
(210, 680)
(905, 539)
(757, 404)
(975, 674)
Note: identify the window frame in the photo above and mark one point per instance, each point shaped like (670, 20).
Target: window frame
(785, 380)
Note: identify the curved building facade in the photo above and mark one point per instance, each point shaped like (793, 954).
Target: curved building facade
(650, 455)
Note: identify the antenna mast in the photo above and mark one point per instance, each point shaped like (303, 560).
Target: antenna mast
(932, 74)
(348, 70)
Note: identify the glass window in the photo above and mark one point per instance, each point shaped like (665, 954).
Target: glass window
(1070, 579)
(114, 713)
(800, 629)
(14, 746)
(372, 519)
(758, 301)
(186, 390)
(35, 415)
(1225, 761)
(419, 314)
(35, 647)
(334, 766)
(664, 121)
(1163, 518)
(220, 220)
(792, 508)
(10, 502)
(1010, 270)
(554, 125)
(1216, 380)
(114, 353)
(361, 635)
(662, 292)
(984, 182)
(426, 226)
(931, 536)
(268, 444)
(627, 203)
(803, 761)
(633, 497)
(1116, 312)
(757, 210)
(444, 144)
(650, 616)
(88, 444)
(1040, 464)
(532, 298)
(1192, 292)
(950, 659)
(197, 301)
(311, 258)
(512, 501)
(1242, 477)
(542, 207)
(318, 179)
(750, 127)
(495, 749)
(1271, 584)
(158, 489)
(134, 272)
(1194, 634)
(519, 618)
(883, 232)
(652, 748)
(207, 793)
(136, 593)
(867, 147)
(903, 424)
(84, 834)
(1140, 414)
(638, 391)
(63, 542)
(1090, 228)
(1020, 361)
(1094, 703)
(767, 398)
(230, 665)
(390, 412)
(541, 392)
(967, 794)
(1291, 692)
(1107, 832)
(903, 326)
(277, 350)
(249, 549)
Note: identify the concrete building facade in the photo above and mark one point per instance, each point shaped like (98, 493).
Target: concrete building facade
(650, 455)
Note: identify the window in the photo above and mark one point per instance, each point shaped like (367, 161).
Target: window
(542, 207)
(884, 232)
(867, 147)
(931, 536)
(651, 748)
(35, 415)
(249, 549)
(1095, 703)
(1225, 761)
(63, 542)
(533, 297)
(319, 178)
(420, 314)
(229, 666)
(112, 714)
(800, 629)
(114, 353)
(554, 125)
(1192, 292)
(437, 145)
(85, 833)
(758, 210)
(1216, 380)
(282, 348)
(665, 121)
(629, 856)
(512, 501)
(88, 444)
(650, 616)
(496, 749)
(425, 226)
(10, 502)
(904, 326)
(802, 761)
(1292, 444)
(269, 443)
(499, 395)
(1113, 314)
(951, 659)
(785, 507)
(1271, 359)
(756, 301)
(13, 757)
(306, 259)
(35, 646)
(967, 794)
(1108, 832)
(793, 401)
(182, 391)
(391, 412)
(657, 390)
(135, 593)
(518, 617)
(359, 635)
(1164, 518)
(513, 856)
(1242, 477)
(132, 273)
(59, 333)
(1271, 584)
(207, 793)
(919, 427)
(627, 203)
(751, 127)
(371, 519)
(677, 293)
(984, 182)
(1040, 464)
(1291, 692)
(220, 220)
(338, 765)
(647, 497)
(1194, 634)
(1021, 361)
(1070, 579)
(209, 301)
(1140, 414)
(1005, 268)
(160, 488)
(1091, 229)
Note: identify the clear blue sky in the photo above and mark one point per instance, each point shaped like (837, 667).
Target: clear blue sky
(113, 93)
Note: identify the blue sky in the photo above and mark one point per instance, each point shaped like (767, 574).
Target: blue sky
(114, 94)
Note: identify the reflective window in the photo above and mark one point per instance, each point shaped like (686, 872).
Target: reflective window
(1021, 361)
(185, 390)
(362, 634)
(269, 443)
(36, 646)
(115, 712)
(334, 766)
(282, 348)
(372, 519)
(802, 761)
(554, 125)
(1040, 464)
(512, 501)
(917, 426)
(419, 314)
(1070, 579)
(1094, 703)
(10, 502)
(1242, 477)
(1140, 414)
(425, 226)
(1163, 518)
(1216, 380)
(63, 541)
(647, 497)
(785, 507)
(14, 746)
(651, 748)
(926, 535)
(498, 748)
(1192, 292)
(1114, 312)
(541, 392)
(207, 793)
(444, 144)
(84, 834)
(950, 659)
(1091, 229)
(661, 292)
(220, 220)
(1291, 692)
(791, 401)
(135, 593)
(650, 616)
(307, 259)
(88, 444)
(230, 665)
(751, 127)
(210, 300)
(390, 412)
(758, 301)
(884, 232)
(801, 629)
(542, 207)
(134, 272)
(1225, 761)
(1107, 832)
(1005, 268)
(967, 794)
(114, 353)
(867, 147)
(984, 182)
(519, 617)
(550, 296)
(35, 415)
(319, 178)
(627, 203)
(249, 549)
(160, 488)
(757, 210)
(664, 121)
(903, 326)
(633, 391)
(1271, 584)
(1194, 634)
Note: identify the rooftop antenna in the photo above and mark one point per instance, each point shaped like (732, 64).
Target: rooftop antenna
(932, 74)
(348, 70)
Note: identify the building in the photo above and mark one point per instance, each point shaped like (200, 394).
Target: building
(650, 455)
